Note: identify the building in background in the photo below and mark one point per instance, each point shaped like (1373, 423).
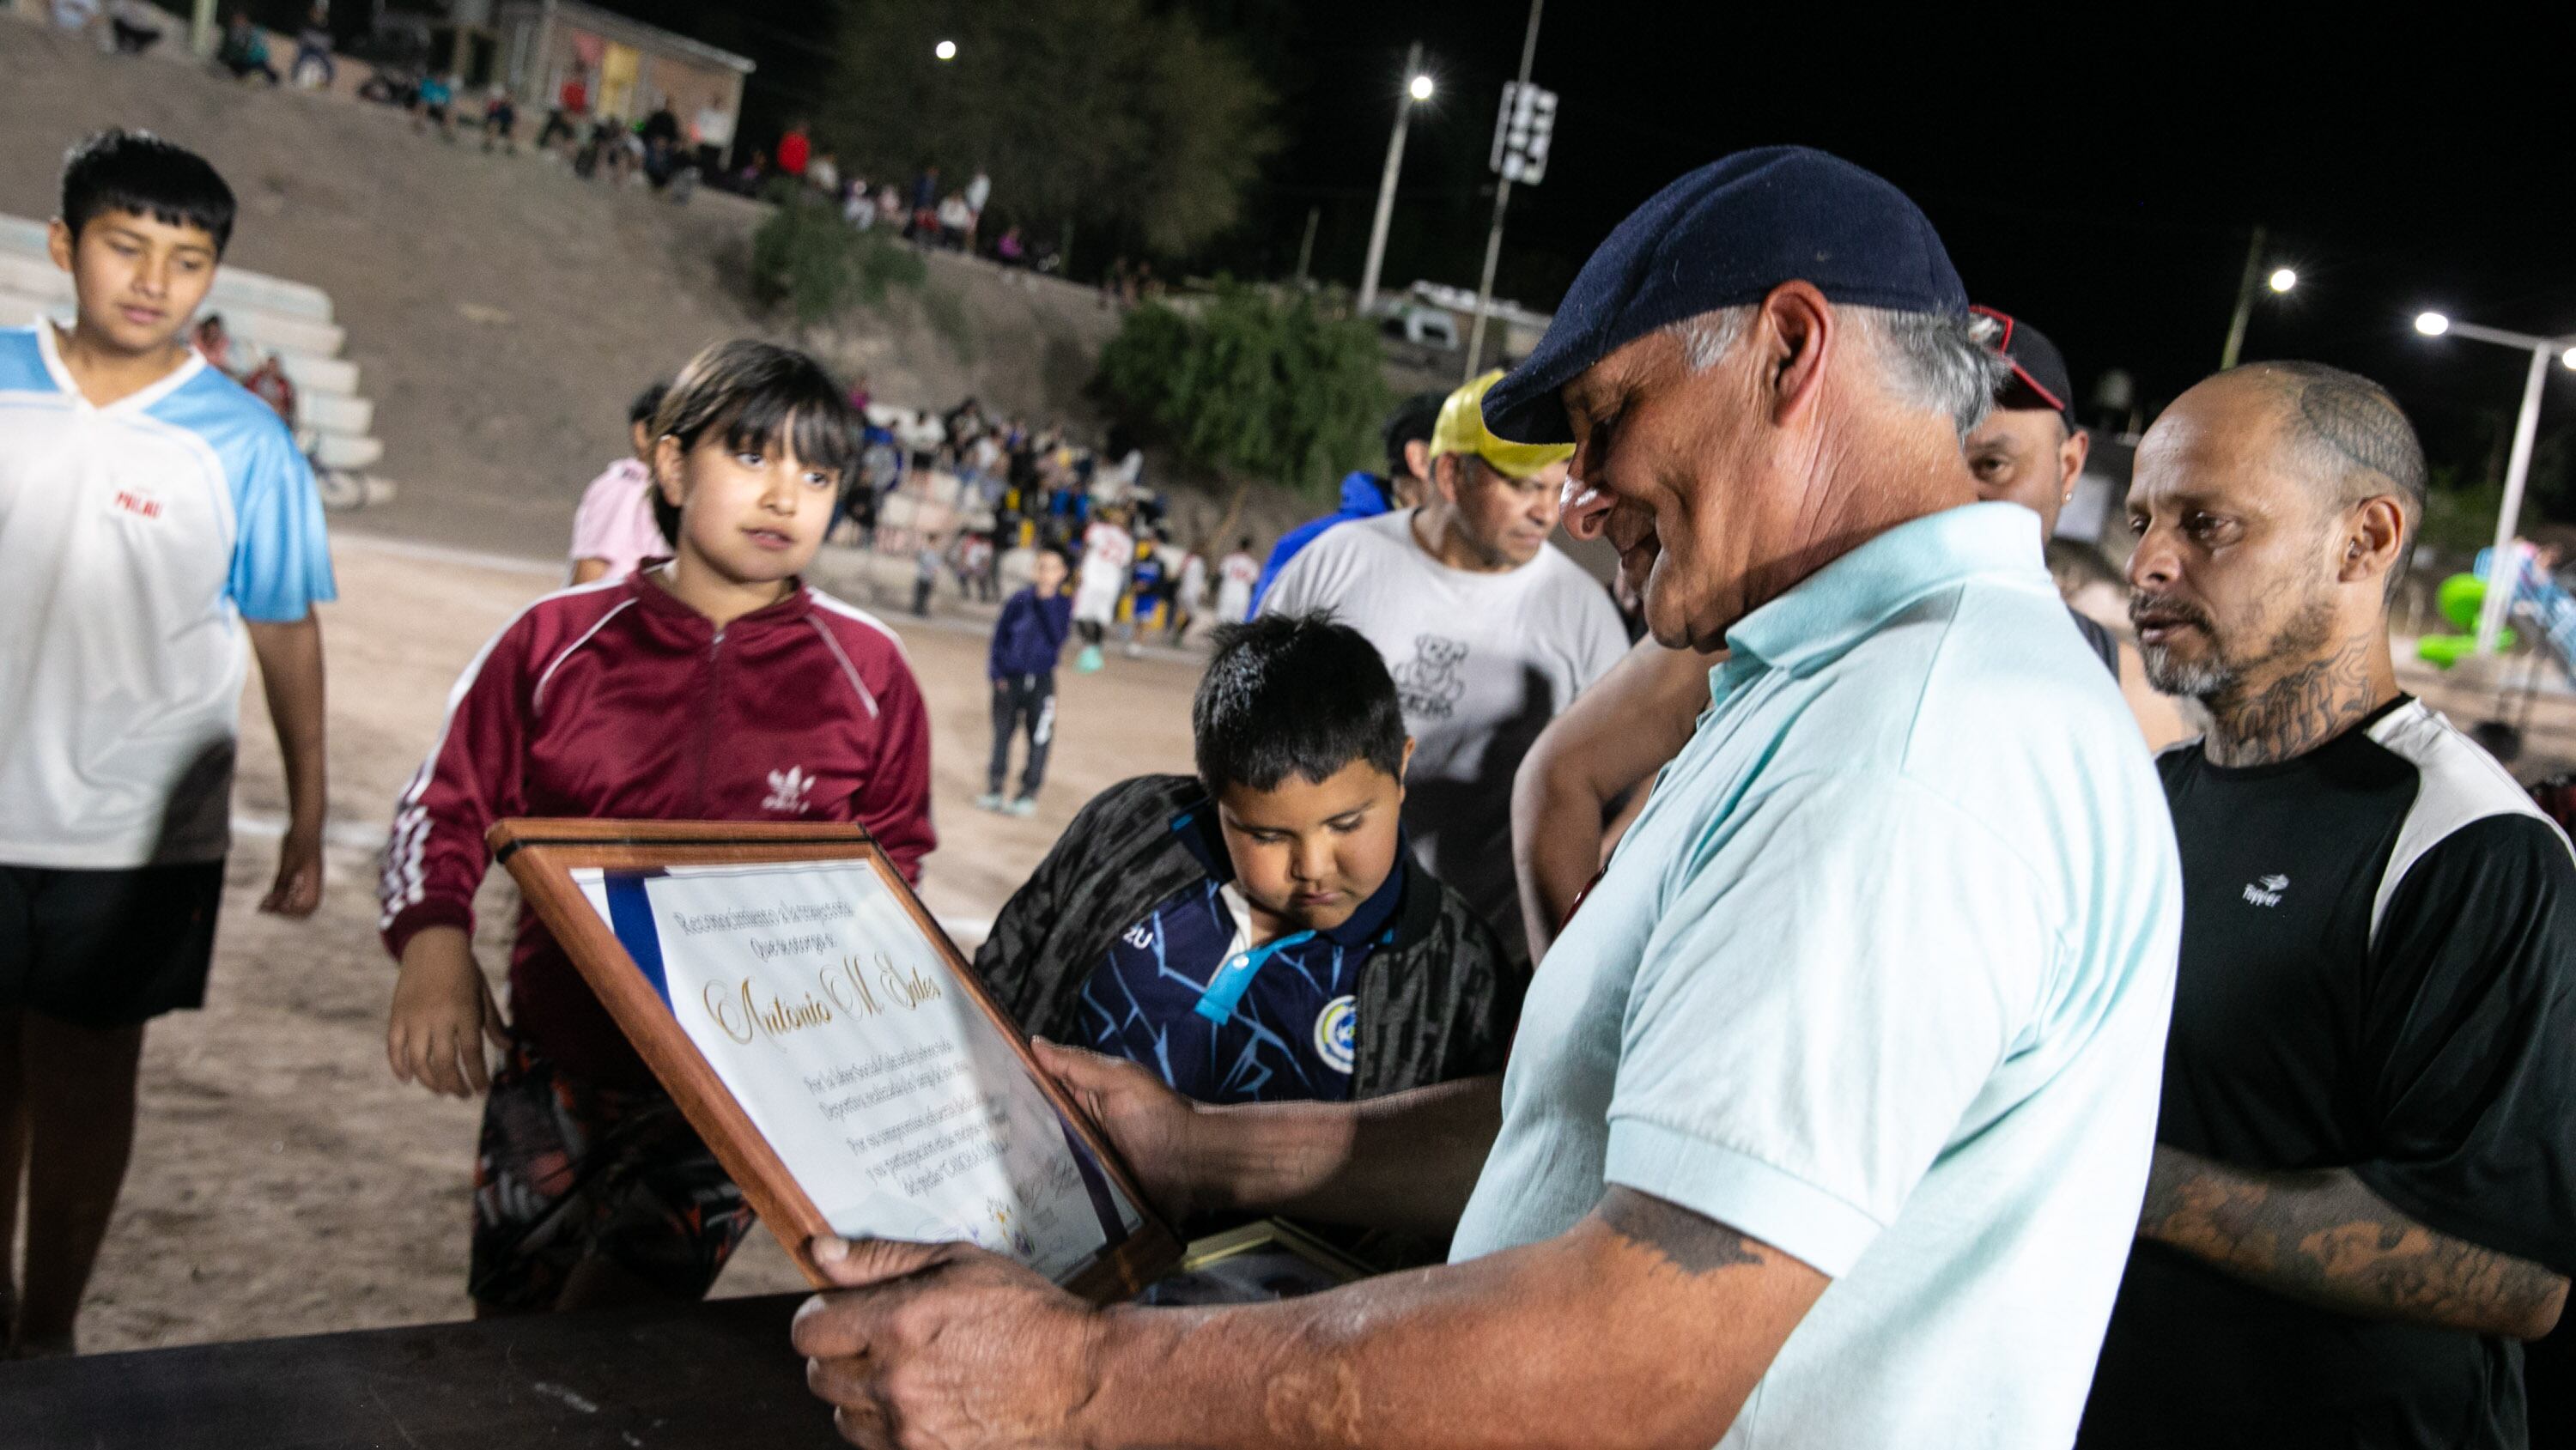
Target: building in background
(626, 65)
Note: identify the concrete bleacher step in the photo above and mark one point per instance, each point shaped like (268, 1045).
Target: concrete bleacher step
(234, 287)
(339, 450)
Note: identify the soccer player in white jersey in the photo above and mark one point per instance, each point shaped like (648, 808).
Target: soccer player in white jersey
(1107, 551)
(157, 527)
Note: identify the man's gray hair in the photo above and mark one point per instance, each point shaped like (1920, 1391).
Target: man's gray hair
(1930, 361)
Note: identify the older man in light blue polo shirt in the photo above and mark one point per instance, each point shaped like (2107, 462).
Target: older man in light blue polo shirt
(1830, 1113)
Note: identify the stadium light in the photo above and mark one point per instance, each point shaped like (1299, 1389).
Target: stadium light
(1417, 89)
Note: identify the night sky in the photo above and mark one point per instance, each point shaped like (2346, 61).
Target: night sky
(2096, 174)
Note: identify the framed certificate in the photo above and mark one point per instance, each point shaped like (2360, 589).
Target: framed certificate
(831, 1045)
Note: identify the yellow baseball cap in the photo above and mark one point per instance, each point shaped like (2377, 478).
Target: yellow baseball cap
(1461, 429)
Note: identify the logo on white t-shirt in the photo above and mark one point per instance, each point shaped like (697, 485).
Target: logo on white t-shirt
(1337, 1033)
(787, 790)
(136, 502)
(2267, 890)
(1430, 683)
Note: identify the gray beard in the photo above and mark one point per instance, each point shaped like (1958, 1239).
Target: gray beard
(2216, 678)
(2199, 679)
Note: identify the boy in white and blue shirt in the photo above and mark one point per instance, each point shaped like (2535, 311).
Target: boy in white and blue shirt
(159, 526)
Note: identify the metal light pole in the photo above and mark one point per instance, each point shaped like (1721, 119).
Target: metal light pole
(1502, 199)
(2244, 302)
(2281, 280)
(2526, 427)
(1416, 88)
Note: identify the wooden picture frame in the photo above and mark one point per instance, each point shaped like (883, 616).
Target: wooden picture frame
(543, 855)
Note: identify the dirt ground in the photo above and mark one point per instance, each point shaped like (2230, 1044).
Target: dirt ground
(284, 1183)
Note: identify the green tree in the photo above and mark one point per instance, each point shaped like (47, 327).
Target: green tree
(1129, 123)
(1251, 385)
(806, 258)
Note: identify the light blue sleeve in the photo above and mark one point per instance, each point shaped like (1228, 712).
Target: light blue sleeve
(282, 551)
(1841, 964)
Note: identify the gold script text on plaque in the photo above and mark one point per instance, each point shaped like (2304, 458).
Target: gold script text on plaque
(739, 1011)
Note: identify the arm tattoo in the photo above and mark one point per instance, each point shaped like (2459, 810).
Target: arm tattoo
(2322, 1237)
(2295, 713)
(1687, 1241)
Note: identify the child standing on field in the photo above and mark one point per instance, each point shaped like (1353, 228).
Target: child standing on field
(712, 687)
(614, 530)
(158, 527)
(1027, 641)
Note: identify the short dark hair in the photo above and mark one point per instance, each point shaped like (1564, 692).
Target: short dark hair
(1412, 422)
(755, 395)
(2355, 436)
(646, 404)
(1294, 694)
(139, 172)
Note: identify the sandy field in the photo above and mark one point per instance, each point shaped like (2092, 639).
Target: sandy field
(284, 1183)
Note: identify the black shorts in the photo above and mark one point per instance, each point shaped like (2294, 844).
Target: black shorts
(107, 948)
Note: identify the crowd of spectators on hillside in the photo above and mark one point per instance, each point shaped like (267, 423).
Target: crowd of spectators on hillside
(658, 147)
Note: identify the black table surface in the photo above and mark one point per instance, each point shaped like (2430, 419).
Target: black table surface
(711, 1377)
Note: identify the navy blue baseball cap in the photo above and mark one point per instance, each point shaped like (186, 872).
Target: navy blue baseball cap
(1724, 236)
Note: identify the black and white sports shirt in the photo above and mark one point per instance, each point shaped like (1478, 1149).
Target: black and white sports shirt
(2378, 972)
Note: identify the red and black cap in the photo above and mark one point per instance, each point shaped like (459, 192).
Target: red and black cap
(2038, 370)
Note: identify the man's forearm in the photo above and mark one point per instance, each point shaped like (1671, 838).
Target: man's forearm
(290, 676)
(1406, 1161)
(1602, 1338)
(2322, 1237)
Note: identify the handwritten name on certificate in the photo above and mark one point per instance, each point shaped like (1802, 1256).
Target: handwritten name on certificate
(893, 1100)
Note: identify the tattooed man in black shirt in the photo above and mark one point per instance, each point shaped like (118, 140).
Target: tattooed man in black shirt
(2364, 1188)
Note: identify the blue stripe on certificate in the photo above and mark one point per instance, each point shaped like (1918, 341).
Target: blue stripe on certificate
(630, 915)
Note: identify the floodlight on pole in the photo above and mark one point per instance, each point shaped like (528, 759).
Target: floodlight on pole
(1417, 89)
(945, 50)
(2501, 567)
(2283, 279)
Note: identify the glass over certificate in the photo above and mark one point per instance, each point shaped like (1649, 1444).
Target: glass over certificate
(869, 1064)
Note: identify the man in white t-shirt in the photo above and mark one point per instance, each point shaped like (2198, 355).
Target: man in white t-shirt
(1107, 550)
(1488, 631)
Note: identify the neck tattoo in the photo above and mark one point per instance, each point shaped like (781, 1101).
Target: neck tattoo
(2296, 713)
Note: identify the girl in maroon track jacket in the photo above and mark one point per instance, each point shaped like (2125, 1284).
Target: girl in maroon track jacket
(711, 687)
